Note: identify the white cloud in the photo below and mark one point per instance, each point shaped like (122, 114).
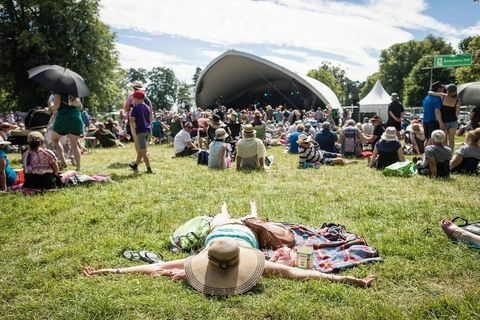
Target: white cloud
(133, 57)
(346, 30)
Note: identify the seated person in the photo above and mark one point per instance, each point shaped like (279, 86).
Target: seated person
(215, 123)
(39, 165)
(175, 125)
(230, 263)
(417, 138)
(250, 151)
(351, 140)
(467, 157)
(436, 160)
(327, 139)
(367, 126)
(158, 129)
(218, 150)
(309, 152)
(182, 144)
(105, 137)
(292, 140)
(8, 176)
(387, 151)
(378, 130)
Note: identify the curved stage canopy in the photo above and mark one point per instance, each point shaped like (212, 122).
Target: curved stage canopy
(238, 79)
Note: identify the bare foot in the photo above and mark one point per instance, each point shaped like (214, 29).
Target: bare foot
(366, 282)
(253, 208)
(223, 208)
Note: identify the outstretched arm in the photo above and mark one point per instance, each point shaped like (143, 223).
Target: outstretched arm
(276, 269)
(147, 269)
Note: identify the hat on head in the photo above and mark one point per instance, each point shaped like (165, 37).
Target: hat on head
(220, 133)
(92, 128)
(390, 134)
(257, 113)
(137, 85)
(139, 94)
(216, 117)
(394, 96)
(233, 116)
(248, 129)
(303, 138)
(35, 135)
(3, 142)
(8, 125)
(225, 268)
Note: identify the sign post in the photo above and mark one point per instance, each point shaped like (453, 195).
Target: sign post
(458, 60)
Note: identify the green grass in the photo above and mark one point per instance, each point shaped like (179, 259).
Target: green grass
(47, 240)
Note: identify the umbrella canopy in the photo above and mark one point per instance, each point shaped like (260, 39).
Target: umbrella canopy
(59, 79)
(470, 93)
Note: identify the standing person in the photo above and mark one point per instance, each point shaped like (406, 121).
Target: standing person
(128, 106)
(395, 114)
(448, 113)
(68, 121)
(430, 105)
(250, 151)
(140, 118)
(182, 144)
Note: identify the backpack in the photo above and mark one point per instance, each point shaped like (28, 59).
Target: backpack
(191, 235)
(203, 158)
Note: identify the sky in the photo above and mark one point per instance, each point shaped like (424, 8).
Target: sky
(296, 34)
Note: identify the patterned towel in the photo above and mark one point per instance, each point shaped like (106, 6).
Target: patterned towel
(335, 248)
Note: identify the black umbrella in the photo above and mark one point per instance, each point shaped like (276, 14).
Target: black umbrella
(59, 80)
(470, 93)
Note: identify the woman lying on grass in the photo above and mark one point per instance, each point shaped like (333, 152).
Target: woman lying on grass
(230, 263)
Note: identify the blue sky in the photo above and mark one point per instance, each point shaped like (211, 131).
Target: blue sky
(297, 34)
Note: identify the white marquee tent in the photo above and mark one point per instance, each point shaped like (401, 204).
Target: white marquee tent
(376, 101)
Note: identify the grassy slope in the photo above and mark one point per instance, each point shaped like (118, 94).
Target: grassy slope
(46, 241)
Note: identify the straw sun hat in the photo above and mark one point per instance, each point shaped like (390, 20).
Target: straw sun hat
(248, 129)
(3, 142)
(225, 268)
(220, 133)
(304, 139)
(390, 134)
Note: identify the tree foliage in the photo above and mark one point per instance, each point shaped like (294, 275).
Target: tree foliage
(470, 73)
(196, 75)
(333, 77)
(63, 32)
(139, 74)
(417, 83)
(184, 94)
(162, 87)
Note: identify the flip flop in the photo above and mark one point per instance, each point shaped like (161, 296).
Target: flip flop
(150, 257)
(132, 255)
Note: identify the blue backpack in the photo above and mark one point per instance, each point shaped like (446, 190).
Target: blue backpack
(203, 158)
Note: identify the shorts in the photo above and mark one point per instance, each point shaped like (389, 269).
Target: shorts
(329, 155)
(142, 140)
(396, 125)
(429, 127)
(451, 125)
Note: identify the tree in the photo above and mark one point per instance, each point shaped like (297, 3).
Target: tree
(139, 74)
(184, 95)
(162, 87)
(196, 75)
(64, 32)
(417, 83)
(333, 77)
(470, 73)
(397, 61)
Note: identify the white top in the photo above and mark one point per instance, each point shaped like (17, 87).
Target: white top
(180, 141)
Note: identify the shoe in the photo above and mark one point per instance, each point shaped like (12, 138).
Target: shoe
(149, 170)
(133, 166)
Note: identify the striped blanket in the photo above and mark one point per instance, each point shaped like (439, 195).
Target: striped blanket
(335, 248)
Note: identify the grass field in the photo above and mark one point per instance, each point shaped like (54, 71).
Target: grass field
(47, 240)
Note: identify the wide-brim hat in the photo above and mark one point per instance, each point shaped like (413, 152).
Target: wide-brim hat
(303, 138)
(35, 135)
(137, 85)
(225, 268)
(220, 133)
(390, 134)
(248, 129)
(4, 142)
(8, 125)
(232, 116)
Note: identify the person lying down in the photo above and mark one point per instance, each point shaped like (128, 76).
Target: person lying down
(230, 263)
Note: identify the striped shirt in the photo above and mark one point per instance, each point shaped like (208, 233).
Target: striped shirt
(238, 232)
(312, 154)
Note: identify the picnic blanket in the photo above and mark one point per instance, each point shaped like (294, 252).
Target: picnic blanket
(69, 179)
(335, 248)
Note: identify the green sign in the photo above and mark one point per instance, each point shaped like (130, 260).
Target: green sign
(452, 61)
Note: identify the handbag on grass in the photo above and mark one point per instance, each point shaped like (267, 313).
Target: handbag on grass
(401, 169)
(471, 227)
(270, 235)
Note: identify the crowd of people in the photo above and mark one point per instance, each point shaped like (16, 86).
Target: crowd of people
(242, 136)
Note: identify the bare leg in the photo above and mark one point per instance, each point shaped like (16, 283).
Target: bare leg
(146, 159)
(148, 269)
(253, 210)
(275, 269)
(76, 151)
(59, 149)
(222, 218)
(451, 138)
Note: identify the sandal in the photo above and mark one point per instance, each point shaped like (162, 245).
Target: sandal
(150, 257)
(132, 255)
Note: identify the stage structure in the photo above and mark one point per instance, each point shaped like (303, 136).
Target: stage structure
(238, 79)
